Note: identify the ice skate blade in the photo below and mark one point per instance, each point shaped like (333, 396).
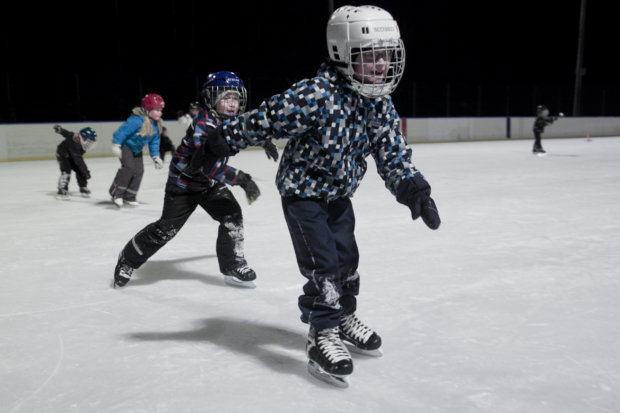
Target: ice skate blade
(338, 381)
(63, 197)
(370, 353)
(118, 286)
(230, 280)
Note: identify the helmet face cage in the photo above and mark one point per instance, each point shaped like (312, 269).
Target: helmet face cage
(387, 52)
(87, 138)
(212, 94)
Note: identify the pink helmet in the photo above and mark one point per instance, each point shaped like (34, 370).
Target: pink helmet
(152, 101)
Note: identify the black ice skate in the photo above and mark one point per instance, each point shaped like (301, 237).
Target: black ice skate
(62, 194)
(122, 273)
(85, 192)
(360, 338)
(539, 151)
(329, 360)
(242, 276)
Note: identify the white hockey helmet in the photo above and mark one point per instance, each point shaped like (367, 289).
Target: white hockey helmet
(371, 33)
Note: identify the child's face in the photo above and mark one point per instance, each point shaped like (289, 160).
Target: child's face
(545, 112)
(193, 112)
(371, 67)
(155, 114)
(228, 104)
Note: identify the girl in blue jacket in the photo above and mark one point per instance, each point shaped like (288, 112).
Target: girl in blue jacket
(142, 128)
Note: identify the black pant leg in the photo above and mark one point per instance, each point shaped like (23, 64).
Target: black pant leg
(177, 209)
(81, 178)
(317, 257)
(220, 203)
(65, 172)
(537, 140)
(341, 221)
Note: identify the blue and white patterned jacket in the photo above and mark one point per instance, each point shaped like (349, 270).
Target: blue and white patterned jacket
(331, 130)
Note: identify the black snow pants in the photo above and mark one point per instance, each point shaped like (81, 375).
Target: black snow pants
(327, 255)
(66, 166)
(537, 139)
(218, 202)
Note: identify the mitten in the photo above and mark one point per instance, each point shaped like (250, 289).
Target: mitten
(116, 150)
(158, 162)
(249, 186)
(271, 150)
(415, 192)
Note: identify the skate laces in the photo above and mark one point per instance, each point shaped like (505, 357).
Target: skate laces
(329, 342)
(243, 270)
(353, 327)
(125, 271)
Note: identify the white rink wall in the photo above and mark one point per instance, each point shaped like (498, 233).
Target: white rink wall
(474, 129)
(38, 141)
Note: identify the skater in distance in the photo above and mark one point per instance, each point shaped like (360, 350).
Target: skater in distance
(542, 120)
(70, 155)
(333, 122)
(198, 175)
(142, 128)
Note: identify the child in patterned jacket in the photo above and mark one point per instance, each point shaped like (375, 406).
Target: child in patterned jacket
(198, 177)
(333, 122)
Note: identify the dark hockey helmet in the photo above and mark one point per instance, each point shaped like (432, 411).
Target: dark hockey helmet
(218, 84)
(540, 109)
(88, 138)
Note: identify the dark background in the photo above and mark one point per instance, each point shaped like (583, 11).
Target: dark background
(93, 61)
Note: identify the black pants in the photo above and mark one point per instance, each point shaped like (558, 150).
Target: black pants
(537, 140)
(66, 166)
(129, 176)
(327, 255)
(218, 202)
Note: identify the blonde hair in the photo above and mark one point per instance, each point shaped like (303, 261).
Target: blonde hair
(147, 126)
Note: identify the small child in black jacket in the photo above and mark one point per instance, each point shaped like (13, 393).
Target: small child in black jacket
(542, 120)
(69, 154)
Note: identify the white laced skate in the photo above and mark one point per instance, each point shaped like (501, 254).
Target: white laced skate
(360, 338)
(242, 276)
(329, 360)
(118, 202)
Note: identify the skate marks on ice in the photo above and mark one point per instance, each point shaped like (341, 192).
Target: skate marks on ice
(154, 271)
(277, 348)
(59, 360)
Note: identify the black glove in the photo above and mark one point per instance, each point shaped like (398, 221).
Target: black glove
(271, 150)
(249, 186)
(416, 194)
(57, 128)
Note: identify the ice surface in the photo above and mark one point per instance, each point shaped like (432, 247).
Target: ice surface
(513, 305)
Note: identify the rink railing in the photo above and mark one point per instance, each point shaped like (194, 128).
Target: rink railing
(38, 141)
